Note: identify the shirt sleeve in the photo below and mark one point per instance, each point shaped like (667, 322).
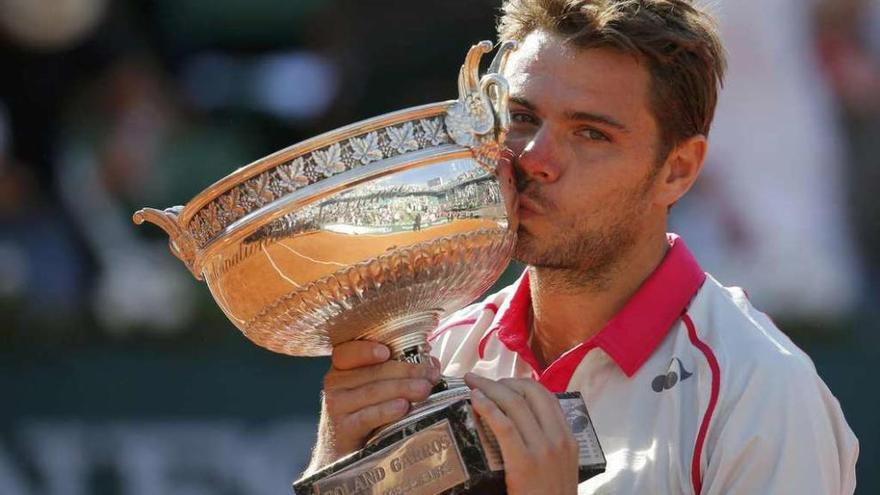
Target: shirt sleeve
(783, 433)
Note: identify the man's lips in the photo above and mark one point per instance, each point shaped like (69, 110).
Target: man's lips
(528, 205)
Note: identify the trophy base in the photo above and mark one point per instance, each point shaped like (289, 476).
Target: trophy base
(441, 450)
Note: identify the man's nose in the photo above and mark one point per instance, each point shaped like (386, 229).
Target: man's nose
(536, 157)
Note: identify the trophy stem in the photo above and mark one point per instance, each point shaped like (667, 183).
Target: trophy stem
(407, 337)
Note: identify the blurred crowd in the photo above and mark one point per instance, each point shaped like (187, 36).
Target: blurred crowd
(107, 106)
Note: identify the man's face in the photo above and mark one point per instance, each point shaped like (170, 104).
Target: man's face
(586, 154)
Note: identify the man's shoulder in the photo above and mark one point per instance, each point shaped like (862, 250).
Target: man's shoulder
(747, 344)
(768, 392)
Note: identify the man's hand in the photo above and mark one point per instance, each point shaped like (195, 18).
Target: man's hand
(362, 391)
(539, 450)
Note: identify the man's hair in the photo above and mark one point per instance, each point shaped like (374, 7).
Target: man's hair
(679, 42)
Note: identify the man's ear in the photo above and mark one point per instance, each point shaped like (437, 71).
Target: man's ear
(680, 170)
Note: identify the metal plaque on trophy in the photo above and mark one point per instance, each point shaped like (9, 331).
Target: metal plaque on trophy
(375, 231)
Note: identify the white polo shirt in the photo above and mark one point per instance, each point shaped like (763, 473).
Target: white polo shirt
(691, 389)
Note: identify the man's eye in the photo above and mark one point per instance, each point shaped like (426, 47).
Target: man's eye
(522, 118)
(593, 134)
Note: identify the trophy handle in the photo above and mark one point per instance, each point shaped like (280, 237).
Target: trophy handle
(479, 118)
(495, 90)
(468, 75)
(501, 56)
(180, 242)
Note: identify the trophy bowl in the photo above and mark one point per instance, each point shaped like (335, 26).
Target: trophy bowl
(371, 231)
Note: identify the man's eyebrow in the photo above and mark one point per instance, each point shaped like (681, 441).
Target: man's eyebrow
(519, 100)
(576, 116)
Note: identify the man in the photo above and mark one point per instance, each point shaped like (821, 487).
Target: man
(691, 389)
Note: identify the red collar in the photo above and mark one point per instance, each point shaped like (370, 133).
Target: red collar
(630, 337)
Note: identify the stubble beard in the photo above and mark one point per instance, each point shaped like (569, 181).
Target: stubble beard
(576, 259)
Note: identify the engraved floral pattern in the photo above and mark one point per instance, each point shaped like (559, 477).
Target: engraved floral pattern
(197, 228)
(230, 205)
(294, 173)
(366, 149)
(212, 219)
(433, 131)
(403, 138)
(258, 188)
(329, 161)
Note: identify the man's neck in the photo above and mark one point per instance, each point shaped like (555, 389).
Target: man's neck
(565, 314)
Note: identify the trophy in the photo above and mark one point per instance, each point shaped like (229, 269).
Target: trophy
(376, 231)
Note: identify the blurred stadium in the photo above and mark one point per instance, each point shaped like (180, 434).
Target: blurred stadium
(119, 373)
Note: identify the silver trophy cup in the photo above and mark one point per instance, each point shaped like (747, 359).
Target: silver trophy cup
(374, 231)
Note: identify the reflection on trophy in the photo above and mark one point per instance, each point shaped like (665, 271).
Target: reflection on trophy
(375, 231)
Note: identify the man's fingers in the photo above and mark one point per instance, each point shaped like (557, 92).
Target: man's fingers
(359, 353)
(345, 401)
(361, 423)
(506, 432)
(389, 370)
(547, 410)
(513, 405)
